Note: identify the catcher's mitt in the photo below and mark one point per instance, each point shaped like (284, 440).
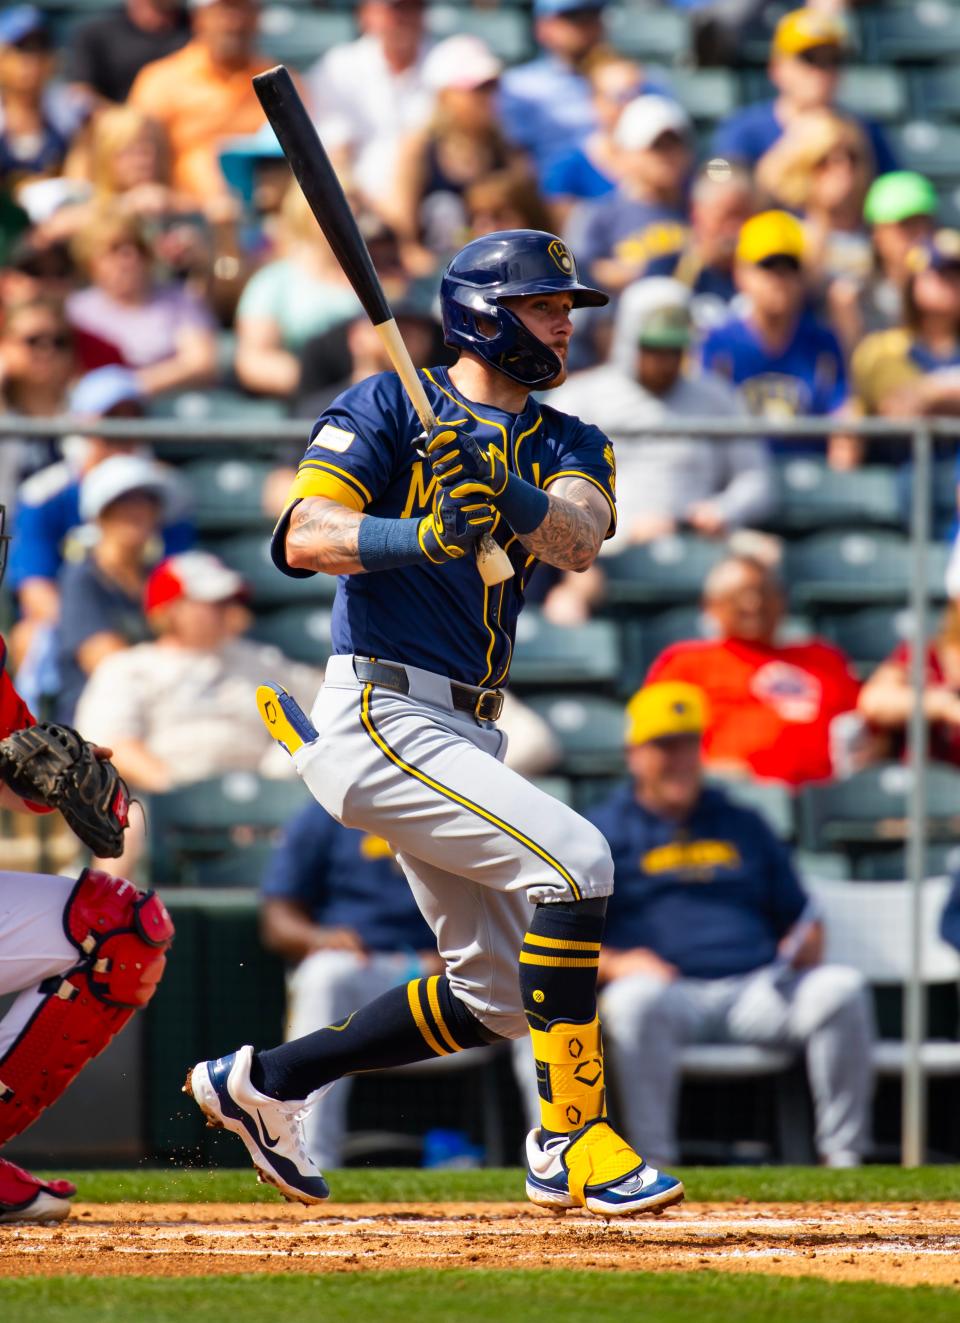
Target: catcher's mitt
(53, 765)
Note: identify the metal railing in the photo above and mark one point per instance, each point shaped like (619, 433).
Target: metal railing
(921, 434)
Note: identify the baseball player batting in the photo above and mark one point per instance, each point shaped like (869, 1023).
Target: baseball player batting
(403, 742)
(82, 953)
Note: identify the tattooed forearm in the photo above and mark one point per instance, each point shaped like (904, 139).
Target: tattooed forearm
(322, 536)
(573, 531)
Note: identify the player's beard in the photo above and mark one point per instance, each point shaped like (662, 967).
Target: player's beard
(560, 378)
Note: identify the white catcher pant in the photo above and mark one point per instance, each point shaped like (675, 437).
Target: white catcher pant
(33, 945)
(477, 842)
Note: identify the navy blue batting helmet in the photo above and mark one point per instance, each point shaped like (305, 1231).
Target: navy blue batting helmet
(496, 267)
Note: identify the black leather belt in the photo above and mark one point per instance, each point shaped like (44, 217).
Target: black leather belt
(483, 704)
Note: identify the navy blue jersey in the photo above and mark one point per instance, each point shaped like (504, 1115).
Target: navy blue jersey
(713, 895)
(346, 878)
(442, 618)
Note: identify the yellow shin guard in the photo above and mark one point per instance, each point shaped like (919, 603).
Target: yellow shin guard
(598, 1157)
(569, 1061)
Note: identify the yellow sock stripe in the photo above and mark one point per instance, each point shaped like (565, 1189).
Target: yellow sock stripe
(447, 793)
(434, 1003)
(416, 1010)
(560, 962)
(559, 943)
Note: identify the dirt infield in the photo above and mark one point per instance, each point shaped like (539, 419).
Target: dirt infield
(903, 1244)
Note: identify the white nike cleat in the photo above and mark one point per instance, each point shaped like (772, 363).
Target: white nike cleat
(594, 1168)
(271, 1130)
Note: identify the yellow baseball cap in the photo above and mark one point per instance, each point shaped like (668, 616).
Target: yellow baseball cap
(803, 29)
(770, 234)
(671, 707)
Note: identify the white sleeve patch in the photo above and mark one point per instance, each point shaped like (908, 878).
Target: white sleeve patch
(334, 438)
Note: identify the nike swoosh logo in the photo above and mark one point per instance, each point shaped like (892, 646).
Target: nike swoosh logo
(265, 1133)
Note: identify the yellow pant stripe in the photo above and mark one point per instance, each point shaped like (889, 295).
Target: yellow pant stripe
(447, 793)
(434, 1002)
(416, 1010)
(560, 962)
(559, 943)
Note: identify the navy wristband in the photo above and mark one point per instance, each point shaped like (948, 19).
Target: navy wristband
(522, 505)
(388, 544)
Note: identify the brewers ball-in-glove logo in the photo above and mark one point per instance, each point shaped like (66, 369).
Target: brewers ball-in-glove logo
(562, 256)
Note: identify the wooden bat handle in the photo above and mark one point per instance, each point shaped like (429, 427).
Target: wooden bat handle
(492, 561)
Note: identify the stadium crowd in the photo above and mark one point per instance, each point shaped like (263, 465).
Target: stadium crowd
(779, 262)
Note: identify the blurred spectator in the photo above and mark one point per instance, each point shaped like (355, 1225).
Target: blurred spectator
(710, 938)
(588, 170)
(722, 200)
(645, 217)
(181, 707)
(106, 53)
(300, 294)
(900, 208)
(786, 363)
(547, 102)
(38, 117)
(822, 168)
(770, 704)
(101, 596)
(36, 366)
(203, 94)
(807, 57)
(461, 144)
(336, 906)
(913, 369)
(887, 701)
(35, 270)
(506, 200)
(950, 918)
(665, 483)
(163, 332)
(368, 94)
(14, 223)
(47, 521)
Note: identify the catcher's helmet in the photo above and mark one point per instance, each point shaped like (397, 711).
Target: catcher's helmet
(495, 267)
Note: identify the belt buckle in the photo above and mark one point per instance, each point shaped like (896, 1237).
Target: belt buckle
(489, 705)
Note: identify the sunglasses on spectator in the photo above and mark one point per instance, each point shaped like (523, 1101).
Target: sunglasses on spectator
(827, 58)
(47, 340)
(781, 264)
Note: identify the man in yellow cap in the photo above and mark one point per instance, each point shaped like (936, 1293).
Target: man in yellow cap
(807, 57)
(786, 362)
(710, 937)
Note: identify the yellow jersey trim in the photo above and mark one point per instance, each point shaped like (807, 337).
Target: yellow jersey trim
(434, 1002)
(341, 473)
(394, 757)
(575, 473)
(318, 483)
(416, 1010)
(522, 437)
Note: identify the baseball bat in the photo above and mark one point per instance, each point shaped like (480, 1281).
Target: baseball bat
(320, 186)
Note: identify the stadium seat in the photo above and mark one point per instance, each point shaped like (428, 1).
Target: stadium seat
(868, 636)
(931, 149)
(891, 865)
(547, 655)
(298, 37)
(814, 496)
(707, 95)
(506, 31)
(668, 570)
(880, 950)
(773, 800)
(871, 808)
(249, 555)
(945, 499)
(831, 865)
(658, 35)
(300, 632)
(935, 93)
(847, 568)
(874, 92)
(911, 34)
(588, 729)
(203, 825)
(227, 493)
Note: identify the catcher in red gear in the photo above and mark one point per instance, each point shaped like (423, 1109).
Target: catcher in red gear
(82, 954)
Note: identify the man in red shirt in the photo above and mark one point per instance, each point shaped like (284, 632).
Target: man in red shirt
(81, 955)
(771, 704)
